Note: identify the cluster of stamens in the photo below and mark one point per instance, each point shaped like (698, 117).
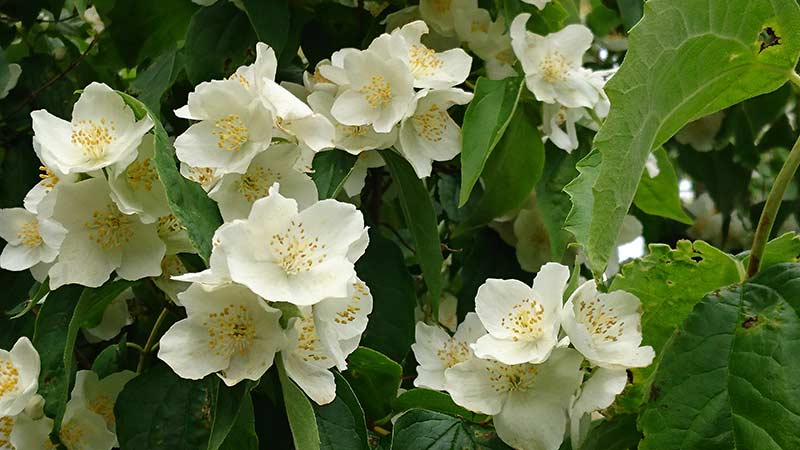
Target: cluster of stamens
(110, 229)
(241, 79)
(307, 340)
(350, 313)
(378, 92)
(525, 320)
(354, 130)
(295, 251)
(599, 320)
(554, 67)
(453, 352)
(423, 60)
(230, 331)
(142, 173)
(103, 406)
(441, 5)
(6, 426)
(520, 377)
(48, 177)
(231, 132)
(256, 182)
(72, 435)
(9, 378)
(29, 234)
(93, 137)
(431, 124)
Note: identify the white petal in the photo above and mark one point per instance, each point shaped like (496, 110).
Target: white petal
(597, 393)
(471, 386)
(495, 300)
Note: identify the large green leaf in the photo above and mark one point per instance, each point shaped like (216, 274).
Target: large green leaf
(158, 410)
(270, 21)
(669, 283)
(243, 433)
(375, 380)
(785, 248)
(301, 416)
(434, 401)
(686, 59)
(391, 325)
(659, 195)
(341, 423)
(421, 220)
(187, 200)
(512, 170)
(730, 377)
(418, 429)
(331, 170)
(151, 83)
(485, 121)
(619, 433)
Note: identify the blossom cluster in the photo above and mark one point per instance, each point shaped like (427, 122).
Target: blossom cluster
(521, 356)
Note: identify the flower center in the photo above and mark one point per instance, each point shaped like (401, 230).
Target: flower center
(256, 182)
(378, 92)
(72, 435)
(554, 67)
(6, 426)
(295, 251)
(241, 79)
(350, 313)
(505, 378)
(320, 78)
(354, 131)
(171, 266)
(142, 174)
(479, 26)
(230, 331)
(506, 57)
(93, 137)
(599, 320)
(103, 406)
(431, 124)
(441, 5)
(29, 234)
(49, 179)
(307, 341)
(453, 352)
(524, 320)
(110, 229)
(231, 132)
(423, 61)
(204, 176)
(169, 224)
(9, 378)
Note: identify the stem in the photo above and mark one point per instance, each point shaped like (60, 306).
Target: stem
(772, 206)
(794, 78)
(134, 346)
(150, 340)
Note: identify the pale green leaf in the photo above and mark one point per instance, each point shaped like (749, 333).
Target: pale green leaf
(659, 196)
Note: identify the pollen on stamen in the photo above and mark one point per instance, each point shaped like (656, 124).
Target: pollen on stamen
(431, 124)
(525, 320)
(378, 92)
(231, 132)
(109, 228)
(423, 61)
(93, 137)
(554, 67)
(9, 378)
(29, 234)
(230, 331)
(256, 182)
(48, 177)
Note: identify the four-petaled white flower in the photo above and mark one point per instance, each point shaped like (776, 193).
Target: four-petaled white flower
(101, 239)
(31, 239)
(103, 132)
(137, 188)
(430, 134)
(606, 327)
(100, 396)
(300, 257)
(232, 127)
(228, 331)
(380, 91)
(522, 321)
(436, 351)
(19, 376)
(235, 193)
(529, 402)
(552, 63)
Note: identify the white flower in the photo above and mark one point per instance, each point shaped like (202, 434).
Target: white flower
(137, 188)
(552, 63)
(206, 177)
(297, 257)
(19, 377)
(558, 125)
(528, 401)
(351, 138)
(228, 331)
(629, 231)
(430, 134)
(522, 321)
(217, 274)
(171, 266)
(296, 119)
(606, 327)
(100, 396)
(358, 175)
(264, 68)
(51, 178)
(595, 394)
(537, 3)
(700, 134)
(380, 91)
(115, 317)
(101, 239)
(235, 193)
(440, 14)
(29, 430)
(708, 222)
(436, 351)
(84, 429)
(322, 338)
(31, 239)
(232, 129)
(316, 81)
(431, 69)
(487, 39)
(174, 235)
(651, 165)
(103, 132)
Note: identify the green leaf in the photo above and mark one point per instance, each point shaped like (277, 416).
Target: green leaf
(783, 249)
(485, 121)
(243, 434)
(431, 430)
(331, 170)
(151, 83)
(631, 12)
(669, 283)
(341, 423)
(147, 28)
(217, 41)
(602, 20)
(686, 59)
(227, 408)
(158, 410)
(302, 420)
(375, 380)
(187, 200)
(433, 401)
(619, 433)
(391, 325)
(512, 170)
(730, 378)
(270, 21)
(50, 340)
(421, 220)
(543, 21)
(659, 196)
(112, 359)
